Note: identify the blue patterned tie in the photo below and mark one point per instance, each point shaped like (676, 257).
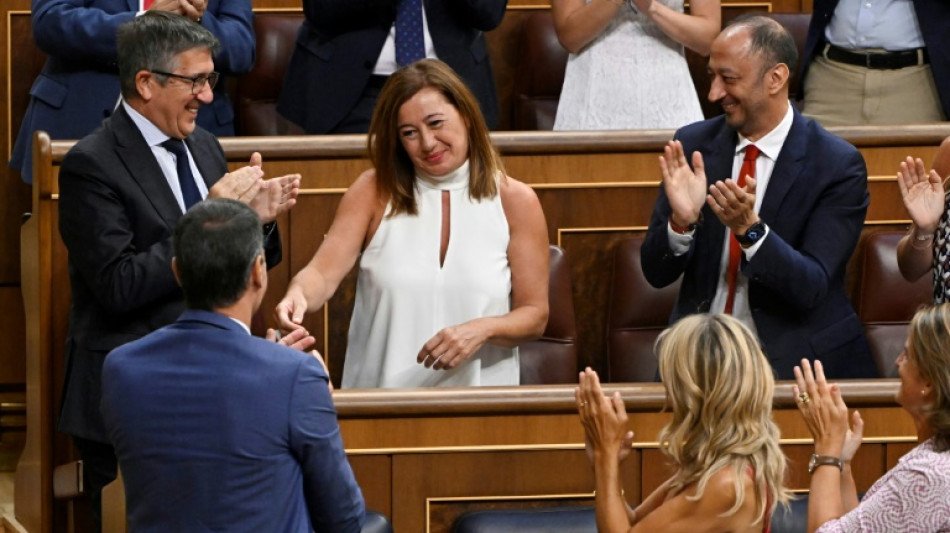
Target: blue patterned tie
(410, 43)
(189, 189)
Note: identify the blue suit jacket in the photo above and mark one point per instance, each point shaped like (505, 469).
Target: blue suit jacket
(79, 84)
(814, 206)
(933, 16)
(217, 430)
(340, 41)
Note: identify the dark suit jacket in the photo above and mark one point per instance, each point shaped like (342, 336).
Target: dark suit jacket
(934, 19)
(814, 206)
(340, 41)
(216, 430)
(116, 217)
(79, 84)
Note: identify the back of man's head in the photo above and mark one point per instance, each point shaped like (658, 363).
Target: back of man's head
(769, 40)
(216, 245)
(151, 42)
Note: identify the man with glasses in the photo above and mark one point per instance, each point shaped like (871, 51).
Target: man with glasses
(79, 84)
(122, 189)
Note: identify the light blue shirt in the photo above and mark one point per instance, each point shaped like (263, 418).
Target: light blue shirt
(154, 137)
(886, 24)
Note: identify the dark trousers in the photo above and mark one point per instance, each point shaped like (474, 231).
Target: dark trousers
(99, 468)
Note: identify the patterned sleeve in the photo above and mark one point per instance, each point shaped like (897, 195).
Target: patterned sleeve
(911, 498)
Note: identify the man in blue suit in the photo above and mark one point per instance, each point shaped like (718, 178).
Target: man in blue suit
(79, 84)
(215, 429)
(794, 222)
(346, 49)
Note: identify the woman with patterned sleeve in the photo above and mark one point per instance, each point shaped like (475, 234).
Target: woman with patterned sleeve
(911, 497)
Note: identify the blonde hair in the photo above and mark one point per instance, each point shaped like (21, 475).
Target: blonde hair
(720, 387)
(395, 175)
(929, 341)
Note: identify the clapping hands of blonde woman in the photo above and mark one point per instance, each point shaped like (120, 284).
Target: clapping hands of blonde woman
(824, 411)
(922, 193)
(452, 346)
(604, 419)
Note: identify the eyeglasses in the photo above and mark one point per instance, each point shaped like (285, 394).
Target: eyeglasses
(197, 82)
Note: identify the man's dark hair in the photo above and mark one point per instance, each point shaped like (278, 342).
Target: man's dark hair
(770, 40)
(216, 244)
(153, 40)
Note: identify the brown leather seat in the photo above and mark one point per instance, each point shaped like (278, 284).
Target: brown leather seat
(257, 91)
(553, 357)
(636, 314)
(538, 74)
(884, 300)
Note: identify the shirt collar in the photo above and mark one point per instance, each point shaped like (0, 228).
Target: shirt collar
(771, 143)
(153, 135)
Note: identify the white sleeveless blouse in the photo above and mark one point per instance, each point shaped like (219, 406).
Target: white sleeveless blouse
(404, 297)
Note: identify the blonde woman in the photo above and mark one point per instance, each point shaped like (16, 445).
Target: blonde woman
(721, 441)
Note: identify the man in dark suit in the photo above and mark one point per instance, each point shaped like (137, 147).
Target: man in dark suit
(79, 84)
(346, 49)
(881, 62)
(773, 250)
(122, 189)
(215, 429)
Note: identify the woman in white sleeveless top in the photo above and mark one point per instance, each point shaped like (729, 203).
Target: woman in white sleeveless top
(453, 254)
(627, 69)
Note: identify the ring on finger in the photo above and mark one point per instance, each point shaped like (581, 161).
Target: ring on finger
(804, 398)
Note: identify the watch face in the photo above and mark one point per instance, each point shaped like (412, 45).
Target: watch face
(812, 463)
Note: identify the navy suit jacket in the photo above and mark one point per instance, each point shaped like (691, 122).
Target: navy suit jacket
(116, 217)
(79, 84)
(933, 16)
(217, 430)
(340, 41)
(814, 206)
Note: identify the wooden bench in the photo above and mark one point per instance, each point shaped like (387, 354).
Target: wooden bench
(426, 456)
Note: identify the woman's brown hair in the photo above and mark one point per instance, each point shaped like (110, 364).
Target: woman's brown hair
(395, 175)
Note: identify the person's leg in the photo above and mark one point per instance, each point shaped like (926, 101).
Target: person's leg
(358, 119)
(834, 93)
(99, 468)
(902, 96)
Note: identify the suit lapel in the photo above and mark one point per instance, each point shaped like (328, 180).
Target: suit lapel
(788, 167)
(719, 168)
(203, 156)
(143, 168)
(132, 4)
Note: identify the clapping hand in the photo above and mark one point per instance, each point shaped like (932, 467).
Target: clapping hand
(269, 198)
(685, 188)
(734, 206)
(604, 419)
(922, 193)
(824, 411)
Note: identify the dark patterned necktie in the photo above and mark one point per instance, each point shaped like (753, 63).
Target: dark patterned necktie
(410, 43)
(189, 189)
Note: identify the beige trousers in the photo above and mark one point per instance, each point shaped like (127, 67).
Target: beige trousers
(839, 94)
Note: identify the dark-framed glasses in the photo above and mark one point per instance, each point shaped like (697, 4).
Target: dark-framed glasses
(197, 82)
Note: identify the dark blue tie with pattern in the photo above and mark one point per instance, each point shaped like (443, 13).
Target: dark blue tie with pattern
(189, 189)
(410, 43)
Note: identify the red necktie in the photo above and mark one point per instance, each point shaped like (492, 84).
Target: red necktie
(735, 251)
(147, 4)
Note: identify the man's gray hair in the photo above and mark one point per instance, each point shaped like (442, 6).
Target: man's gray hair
(153, 40)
